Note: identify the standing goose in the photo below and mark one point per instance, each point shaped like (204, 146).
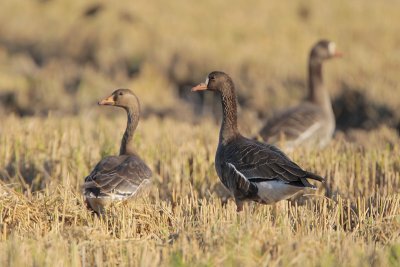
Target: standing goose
(120, 177)
(312, 123)
(251, 170)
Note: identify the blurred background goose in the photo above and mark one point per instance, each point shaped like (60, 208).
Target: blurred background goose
(120, 177)
(249, 169)
(312, 123)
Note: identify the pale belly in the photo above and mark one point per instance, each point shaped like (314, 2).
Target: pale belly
(274, 191)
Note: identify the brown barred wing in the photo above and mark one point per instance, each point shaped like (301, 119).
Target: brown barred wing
(118, 177)
(260, 162)
(296, 124)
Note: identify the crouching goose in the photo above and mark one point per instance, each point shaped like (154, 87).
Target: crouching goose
(312, 123)
(122, 177)
(249, 169)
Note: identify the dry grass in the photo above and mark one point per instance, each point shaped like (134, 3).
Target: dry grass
(57, 58)
(353, 220)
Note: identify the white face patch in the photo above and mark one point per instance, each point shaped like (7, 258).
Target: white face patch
(332, 48)
(206, 81)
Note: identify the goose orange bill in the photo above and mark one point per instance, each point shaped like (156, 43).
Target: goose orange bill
(338, 54)
(107, 101)
(199, 87)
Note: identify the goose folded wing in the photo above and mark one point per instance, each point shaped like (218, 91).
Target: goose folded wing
(293, 123)
(118, 175)
(261, 162)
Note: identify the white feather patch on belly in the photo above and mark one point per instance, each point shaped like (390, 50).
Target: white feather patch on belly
(274, 191)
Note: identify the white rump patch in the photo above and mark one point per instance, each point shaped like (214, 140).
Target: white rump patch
(332, 48)
(274, 191)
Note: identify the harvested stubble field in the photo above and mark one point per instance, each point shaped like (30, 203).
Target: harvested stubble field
(57, 58)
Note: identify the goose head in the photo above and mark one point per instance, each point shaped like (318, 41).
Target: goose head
(324, 50)
(123, 98)
(215, 81)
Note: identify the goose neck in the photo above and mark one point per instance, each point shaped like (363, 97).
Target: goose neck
(127, 146)
(229, 129)
(317, 93)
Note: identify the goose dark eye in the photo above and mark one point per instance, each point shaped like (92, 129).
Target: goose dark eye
(120, 93)
(212, 78)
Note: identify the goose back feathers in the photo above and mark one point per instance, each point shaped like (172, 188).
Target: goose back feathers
(302, 125)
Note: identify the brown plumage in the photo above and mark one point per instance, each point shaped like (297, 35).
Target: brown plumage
(120, 177)
(249, 169)
(311, 123)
